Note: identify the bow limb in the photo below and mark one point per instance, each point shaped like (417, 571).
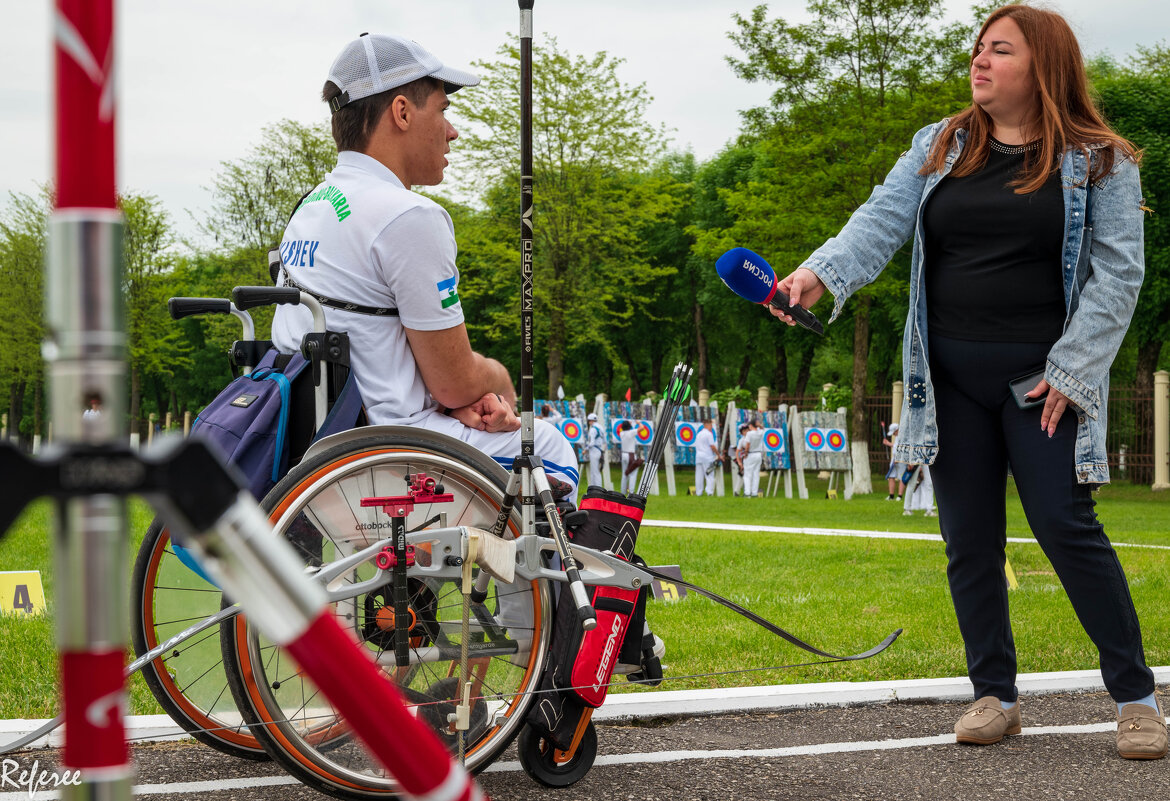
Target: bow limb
(772, 627)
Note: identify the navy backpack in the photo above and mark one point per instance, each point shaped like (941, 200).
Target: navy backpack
(248, 422)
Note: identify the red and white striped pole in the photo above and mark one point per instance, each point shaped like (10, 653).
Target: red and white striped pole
(85, 345)
(83, 33)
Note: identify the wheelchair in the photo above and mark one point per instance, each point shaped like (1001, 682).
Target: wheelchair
(232, 690)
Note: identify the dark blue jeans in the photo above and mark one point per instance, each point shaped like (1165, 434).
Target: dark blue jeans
(981, 432)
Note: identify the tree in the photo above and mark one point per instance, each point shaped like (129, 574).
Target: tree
(1136, 101)
(254, 196)
(208, 337)
(593, 191)
(663, 329)
(156, 348)
(23, 227)
(734, 342)
(852, 86)
(489, 256)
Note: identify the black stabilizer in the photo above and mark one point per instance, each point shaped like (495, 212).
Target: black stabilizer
(25, 478)
(184, 474)
(172, 465)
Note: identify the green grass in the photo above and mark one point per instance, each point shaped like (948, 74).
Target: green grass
(1130, 513)
(28, 669)
(842, 594)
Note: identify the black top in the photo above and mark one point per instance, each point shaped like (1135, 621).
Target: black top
(992, 257)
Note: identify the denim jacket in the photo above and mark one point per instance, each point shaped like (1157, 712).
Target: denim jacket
(1102, 262)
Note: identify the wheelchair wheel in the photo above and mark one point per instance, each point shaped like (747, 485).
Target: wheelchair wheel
(317, 508)
(188, 680)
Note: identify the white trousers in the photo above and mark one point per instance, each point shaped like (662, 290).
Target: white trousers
(920, 495)
(751, 474)
(705, 478)
(594, 468)
(555, 452)
(630, 481)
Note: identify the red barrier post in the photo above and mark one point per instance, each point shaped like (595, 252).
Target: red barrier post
(85, 345)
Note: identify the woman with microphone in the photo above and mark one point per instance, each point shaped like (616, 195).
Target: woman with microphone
(1025, 212)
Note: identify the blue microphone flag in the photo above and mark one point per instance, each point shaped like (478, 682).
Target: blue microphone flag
(747, 275)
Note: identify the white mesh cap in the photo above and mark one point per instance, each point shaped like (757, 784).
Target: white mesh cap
(374, 63)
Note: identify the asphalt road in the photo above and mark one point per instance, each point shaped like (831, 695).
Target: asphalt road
(888, 752)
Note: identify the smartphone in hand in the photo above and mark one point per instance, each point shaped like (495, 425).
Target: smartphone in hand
(1019, 388)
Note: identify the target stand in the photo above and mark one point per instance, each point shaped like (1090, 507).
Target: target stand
(820, 442)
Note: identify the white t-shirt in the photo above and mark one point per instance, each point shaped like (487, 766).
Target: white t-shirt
(704, 442)
(755, 441)
(629, 440)
(362, 237)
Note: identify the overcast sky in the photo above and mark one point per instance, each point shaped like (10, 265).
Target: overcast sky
(198, 80)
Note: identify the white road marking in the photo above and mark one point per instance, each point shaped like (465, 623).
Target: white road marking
(847, 532)
(645, 758)
(213, 786)
(807, 750)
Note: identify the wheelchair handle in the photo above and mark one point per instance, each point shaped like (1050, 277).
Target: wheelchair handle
(249, 297)
(186, 307)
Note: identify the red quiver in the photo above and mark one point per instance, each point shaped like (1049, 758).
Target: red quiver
(582, 662)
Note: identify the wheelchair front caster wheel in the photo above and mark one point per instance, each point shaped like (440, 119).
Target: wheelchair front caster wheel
(540, 758)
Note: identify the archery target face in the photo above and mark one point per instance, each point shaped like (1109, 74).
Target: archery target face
(773, 440)
(643, 432)
(835, 438)
(685, 433)
(814, 439)
(615, 429)
(571, 428)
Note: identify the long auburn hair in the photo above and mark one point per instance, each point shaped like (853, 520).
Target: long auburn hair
(1066, 115)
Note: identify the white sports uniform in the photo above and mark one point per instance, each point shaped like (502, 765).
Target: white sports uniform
(629, 451)
(595, 450)
(704, 461)
(752, 462)
(362, 237)
(919, 492)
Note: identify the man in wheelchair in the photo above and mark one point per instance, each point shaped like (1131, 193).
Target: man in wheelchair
(382, 259)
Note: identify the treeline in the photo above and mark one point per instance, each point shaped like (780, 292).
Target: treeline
(627, 230)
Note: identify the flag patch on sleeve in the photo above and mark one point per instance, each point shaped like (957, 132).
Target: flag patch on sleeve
(448, 292)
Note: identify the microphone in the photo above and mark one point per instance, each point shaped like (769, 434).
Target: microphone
(752, 278)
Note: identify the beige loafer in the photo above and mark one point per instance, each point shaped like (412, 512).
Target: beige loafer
(987, 722)
(1141, 732)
